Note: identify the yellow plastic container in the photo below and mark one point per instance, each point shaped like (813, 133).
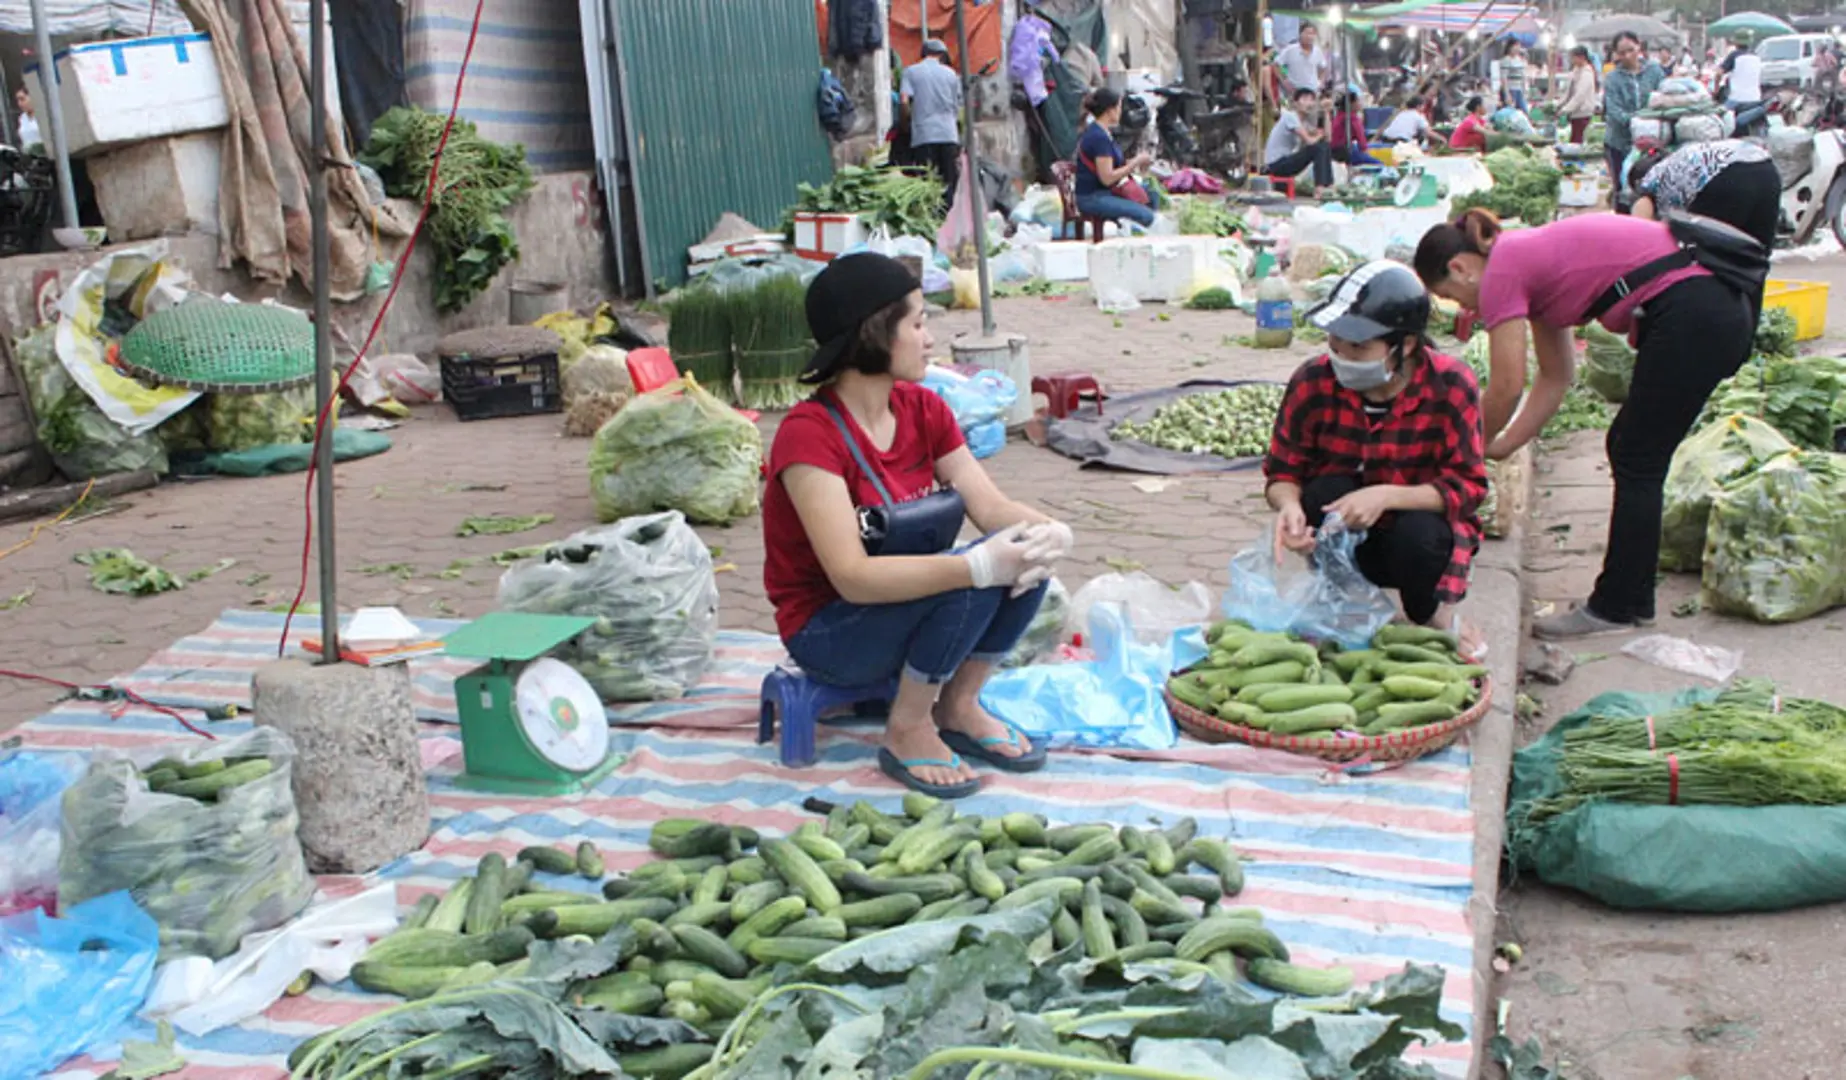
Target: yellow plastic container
(1805, 300)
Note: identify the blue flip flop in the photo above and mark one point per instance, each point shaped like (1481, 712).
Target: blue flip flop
(899, 770)
(1031, 760)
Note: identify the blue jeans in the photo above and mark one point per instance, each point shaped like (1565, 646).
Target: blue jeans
(1111, 207)
(1356, 156)
(926, 640)
(1518, 99)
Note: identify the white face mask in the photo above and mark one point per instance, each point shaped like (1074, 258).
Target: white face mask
(1360, 375)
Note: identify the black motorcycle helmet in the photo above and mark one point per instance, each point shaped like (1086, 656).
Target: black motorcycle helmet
(1381, 299)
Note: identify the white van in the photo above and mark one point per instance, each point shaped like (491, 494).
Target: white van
(1788, 59)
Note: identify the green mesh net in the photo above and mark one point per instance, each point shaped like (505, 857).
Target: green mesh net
(219, 347)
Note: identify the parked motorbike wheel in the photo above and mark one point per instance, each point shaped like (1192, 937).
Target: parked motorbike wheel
(1836, 209)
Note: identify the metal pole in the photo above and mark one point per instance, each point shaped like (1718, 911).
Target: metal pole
(54, 112)
(323, 329)
(971, 87)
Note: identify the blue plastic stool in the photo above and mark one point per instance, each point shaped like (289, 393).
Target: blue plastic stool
(793, 703)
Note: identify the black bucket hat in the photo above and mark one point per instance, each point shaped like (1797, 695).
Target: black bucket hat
(852, 289)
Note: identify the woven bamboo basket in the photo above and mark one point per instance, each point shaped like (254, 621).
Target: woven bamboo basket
(1397, 746)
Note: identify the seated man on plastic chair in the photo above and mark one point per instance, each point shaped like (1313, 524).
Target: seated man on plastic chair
(1299, 142)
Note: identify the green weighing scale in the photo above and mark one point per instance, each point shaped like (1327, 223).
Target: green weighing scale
(531, 725)
(1418, 189)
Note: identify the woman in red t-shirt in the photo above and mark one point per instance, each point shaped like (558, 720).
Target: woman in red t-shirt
(1471, 133)
(937, 622)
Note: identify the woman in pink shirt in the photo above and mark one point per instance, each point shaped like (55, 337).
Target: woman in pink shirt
(1693, 330)
(1471, 133)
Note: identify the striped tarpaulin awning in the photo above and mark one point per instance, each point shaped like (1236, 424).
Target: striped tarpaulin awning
(1452, 17)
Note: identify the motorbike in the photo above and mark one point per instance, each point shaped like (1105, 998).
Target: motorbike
(1813, 189)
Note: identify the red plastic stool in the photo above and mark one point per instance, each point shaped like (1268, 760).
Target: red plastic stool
(652, 368)
(1283, 183)
(1063, 391)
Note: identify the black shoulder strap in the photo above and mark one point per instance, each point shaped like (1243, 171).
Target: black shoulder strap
(852, 444)
(1636, 278)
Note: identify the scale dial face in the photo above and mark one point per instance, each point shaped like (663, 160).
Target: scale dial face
(561, 716)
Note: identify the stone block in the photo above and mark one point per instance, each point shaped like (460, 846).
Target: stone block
(359, 780)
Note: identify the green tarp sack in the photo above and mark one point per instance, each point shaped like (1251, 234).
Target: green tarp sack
(1705, 859)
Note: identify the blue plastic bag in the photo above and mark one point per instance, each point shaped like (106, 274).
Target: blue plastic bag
(31, 783)
(1332, 601)
(1117, 700)
(979, 403)
(71, 982)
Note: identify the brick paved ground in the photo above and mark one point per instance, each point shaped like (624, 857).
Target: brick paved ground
(397, 513)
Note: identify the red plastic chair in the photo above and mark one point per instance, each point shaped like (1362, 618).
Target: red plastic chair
(1064, 390)
(652, 368)
(1065, 174)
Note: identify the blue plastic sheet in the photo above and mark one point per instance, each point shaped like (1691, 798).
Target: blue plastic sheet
(1332, 601)
(979, 403)
(1116, 700)
(71, 982)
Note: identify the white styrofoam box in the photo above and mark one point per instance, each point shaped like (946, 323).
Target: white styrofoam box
(119, 92)
(1168, 269)
(160, 186)
(1578, 191)
(1062, 260)
(1368, 234)
(825, 237)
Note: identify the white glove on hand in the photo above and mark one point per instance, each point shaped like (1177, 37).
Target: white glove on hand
(1050, 541)
(998, 560)
(1036, 574)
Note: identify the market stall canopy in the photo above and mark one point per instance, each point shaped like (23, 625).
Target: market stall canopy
(1749, 22)
(1652, 32)
(1450, 16)
(86, 19)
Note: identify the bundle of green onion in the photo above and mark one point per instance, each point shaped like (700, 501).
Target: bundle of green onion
(770, 326)
(699, 337)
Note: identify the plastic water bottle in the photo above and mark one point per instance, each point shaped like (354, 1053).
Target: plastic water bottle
(1275, 312)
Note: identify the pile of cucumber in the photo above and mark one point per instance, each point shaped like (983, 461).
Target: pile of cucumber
(1412, 676)
(208, 780)
(723, 907)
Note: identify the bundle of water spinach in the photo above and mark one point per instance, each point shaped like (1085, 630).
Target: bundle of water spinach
(1410, 677)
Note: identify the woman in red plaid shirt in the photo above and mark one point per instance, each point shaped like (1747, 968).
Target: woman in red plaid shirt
(1386, 432)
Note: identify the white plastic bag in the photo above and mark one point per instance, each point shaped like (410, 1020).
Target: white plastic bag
(1154, 608)
(1686, 657)
(1332, 601)
(32, 784)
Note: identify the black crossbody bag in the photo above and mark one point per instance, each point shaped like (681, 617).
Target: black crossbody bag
(926, 526)
(1730, 254)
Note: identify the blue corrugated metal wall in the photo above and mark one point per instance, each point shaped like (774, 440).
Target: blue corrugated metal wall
(719, 97)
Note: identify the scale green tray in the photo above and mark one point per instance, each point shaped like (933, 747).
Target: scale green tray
(530, 724)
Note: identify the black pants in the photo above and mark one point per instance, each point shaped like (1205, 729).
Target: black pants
(1319, 156)
(945, 158)
(1745, 194)
(1694, 335)
(1408, 551)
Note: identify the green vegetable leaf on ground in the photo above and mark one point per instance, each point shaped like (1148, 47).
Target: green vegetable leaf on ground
(119, 570)
(18, 600)
(143, 1060)
(213, 570)
(502, 524)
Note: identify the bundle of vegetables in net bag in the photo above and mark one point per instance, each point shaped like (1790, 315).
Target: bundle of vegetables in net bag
(595, 388)
(649, 582)
(203, 834)
(1727, 450)
(82, 441)
(1775, 550)
(237, 422)
(1608, 363)
(677, 448)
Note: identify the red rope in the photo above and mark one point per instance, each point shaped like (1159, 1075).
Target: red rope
(397, 279)
(130, 695)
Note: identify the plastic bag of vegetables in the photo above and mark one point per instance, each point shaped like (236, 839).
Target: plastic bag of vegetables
(1733, 447)
(203, 834)
(1608, 363)
(1775, 550)
(649, 583)
(677, 448)
(82, 440)
(248, 421)
(1046, 630)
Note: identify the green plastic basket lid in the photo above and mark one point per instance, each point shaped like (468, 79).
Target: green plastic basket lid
(212, 345)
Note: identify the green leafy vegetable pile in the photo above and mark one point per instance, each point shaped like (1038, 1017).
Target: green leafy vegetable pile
(1775, 547)
(237, 422)
(1582, 410)
(1803, 397)
(82, 440)
(770, 326)
(1775, 332)
(1525, 186)
(906, 205)
(1608, 363)
(1712, 457)
(1232, 423)
(119, 570)
(873, 945)
(478, 182)
(676, 448)
(1212, 298)
(1199, 215)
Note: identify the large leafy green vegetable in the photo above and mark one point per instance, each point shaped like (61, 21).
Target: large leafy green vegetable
(906, 205)
(649, 583)
(237, 422)
(208, 872)
(1713, 457)
(1582, 409)
(478, 181)
(1525, 186)
(1801, 396)
(82, 440)
(1200, 215)
(1775, 332)
(119, 570)
(676, 448)
(1775, 549)
(1608, 363)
